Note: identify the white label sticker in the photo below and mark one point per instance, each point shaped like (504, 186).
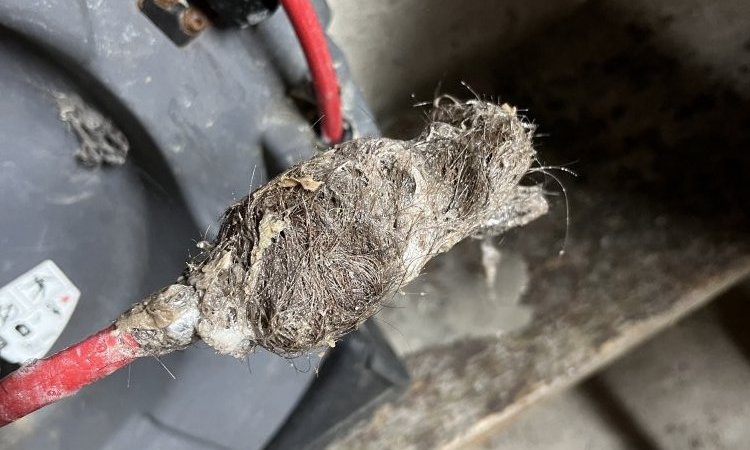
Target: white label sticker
(34, 309)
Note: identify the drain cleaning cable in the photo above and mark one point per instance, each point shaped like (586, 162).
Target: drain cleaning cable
(313, 41)
(47, 380)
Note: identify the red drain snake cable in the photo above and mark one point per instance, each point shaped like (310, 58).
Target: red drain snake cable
(47, 380)
(313, 41)
(50, 379)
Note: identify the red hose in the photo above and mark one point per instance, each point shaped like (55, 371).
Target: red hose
(313, 41)
(63, 374)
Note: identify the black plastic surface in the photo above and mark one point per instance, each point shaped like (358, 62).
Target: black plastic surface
(239, 13)
(357, 375)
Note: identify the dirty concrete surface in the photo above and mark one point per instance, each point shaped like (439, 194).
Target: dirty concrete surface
(648, 104)
(684, 389)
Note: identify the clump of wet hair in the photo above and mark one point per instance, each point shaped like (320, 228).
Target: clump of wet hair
(312, 254)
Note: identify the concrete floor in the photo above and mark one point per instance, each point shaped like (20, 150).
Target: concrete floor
(685, 389)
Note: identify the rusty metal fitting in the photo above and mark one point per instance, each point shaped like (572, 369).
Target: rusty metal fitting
(193, 21)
